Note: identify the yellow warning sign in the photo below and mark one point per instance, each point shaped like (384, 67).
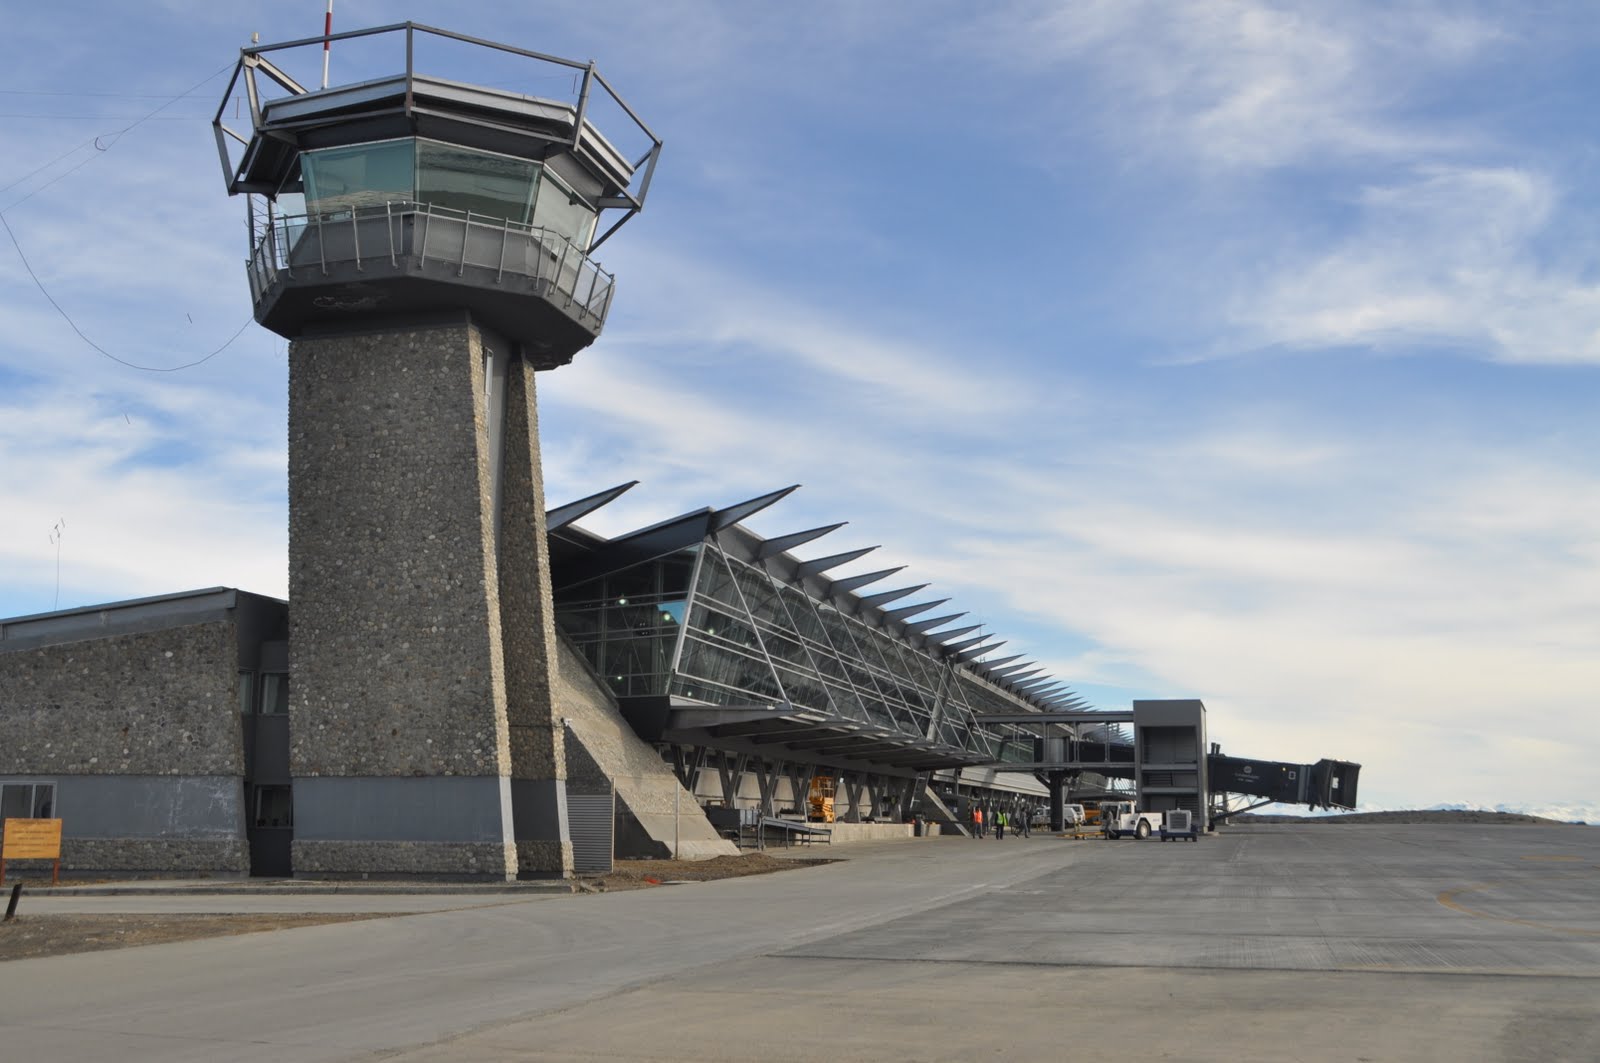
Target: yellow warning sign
(32, 839)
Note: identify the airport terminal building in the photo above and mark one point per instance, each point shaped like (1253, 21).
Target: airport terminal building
(700, 665)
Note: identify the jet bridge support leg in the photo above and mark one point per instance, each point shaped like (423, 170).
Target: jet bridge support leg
(1058, 809)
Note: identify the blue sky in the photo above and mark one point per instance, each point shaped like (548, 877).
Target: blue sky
(1238, 351)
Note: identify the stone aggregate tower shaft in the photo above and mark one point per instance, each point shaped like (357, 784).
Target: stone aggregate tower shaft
(425, 244)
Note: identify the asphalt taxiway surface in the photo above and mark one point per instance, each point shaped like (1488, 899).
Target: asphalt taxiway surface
(1317, 942)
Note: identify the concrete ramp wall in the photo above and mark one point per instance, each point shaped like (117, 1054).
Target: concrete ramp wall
(934, 810)
(602, 750)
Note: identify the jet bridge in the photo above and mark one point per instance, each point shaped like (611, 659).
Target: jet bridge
(1166, 763)
(1325, 784)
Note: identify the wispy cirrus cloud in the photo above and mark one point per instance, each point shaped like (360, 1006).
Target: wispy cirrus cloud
(1244, 85)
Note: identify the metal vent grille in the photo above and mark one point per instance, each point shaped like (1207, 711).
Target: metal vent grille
(591, 820)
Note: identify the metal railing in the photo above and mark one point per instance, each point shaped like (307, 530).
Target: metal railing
(437, 236)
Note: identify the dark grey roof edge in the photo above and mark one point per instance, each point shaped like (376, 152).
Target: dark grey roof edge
(126, 603)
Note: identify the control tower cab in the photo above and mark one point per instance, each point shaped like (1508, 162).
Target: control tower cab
(407, 194)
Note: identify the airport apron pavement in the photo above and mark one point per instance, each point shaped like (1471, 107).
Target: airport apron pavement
(1309, 942)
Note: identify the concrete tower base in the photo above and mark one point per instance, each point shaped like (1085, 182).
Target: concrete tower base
(421, 640)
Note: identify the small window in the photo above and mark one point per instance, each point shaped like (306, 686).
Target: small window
(28, 800)
(271, 806)
(247, 692)
(274, 694)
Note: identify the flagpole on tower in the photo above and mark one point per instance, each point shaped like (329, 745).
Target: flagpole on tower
(327, 31)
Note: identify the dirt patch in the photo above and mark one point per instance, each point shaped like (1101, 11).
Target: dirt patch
(28, 936)
(642, 874)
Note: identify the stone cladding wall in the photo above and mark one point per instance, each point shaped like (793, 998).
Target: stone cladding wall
(527, 612)
(157, 856)
(153, 703)
(357, 859)
(394, 647)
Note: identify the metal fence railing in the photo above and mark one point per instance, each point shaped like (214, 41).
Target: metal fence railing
(437, 236)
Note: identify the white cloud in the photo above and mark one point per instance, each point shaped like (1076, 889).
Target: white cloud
(1248, 85)
(1447, 257)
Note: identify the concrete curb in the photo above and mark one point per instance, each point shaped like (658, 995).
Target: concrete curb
(321, 889)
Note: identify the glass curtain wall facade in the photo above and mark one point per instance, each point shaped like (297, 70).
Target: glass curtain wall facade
(708, 627)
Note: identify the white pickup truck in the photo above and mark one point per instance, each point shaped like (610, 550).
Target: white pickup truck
(1120, 818)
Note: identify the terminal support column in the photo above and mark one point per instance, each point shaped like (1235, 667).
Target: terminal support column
(1058, 811)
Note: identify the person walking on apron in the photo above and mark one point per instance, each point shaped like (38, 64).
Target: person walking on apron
(977, 821)
(999, 826)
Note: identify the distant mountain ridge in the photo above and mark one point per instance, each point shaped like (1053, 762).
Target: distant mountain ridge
(1422, 815)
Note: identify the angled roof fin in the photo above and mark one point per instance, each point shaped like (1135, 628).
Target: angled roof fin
(977, 651)
(883, 598)
(783, 543)
(727, 518)
(957, 647)
(850, 583)
(928, 625)
(946, 636)
(912, 610)
(822, 564)
(561, 516)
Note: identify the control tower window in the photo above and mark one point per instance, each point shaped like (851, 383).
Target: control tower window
(446, 177)
(560, 210)
(360, 176)
(455, 178)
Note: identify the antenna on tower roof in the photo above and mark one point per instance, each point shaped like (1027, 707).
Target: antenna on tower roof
(327, 32)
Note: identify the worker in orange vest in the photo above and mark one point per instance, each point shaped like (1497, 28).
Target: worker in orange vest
(977, 821)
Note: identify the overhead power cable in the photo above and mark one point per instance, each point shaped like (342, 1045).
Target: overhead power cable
(74, 325)
(111, 140)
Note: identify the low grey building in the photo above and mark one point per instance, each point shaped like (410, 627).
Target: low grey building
(154, 729)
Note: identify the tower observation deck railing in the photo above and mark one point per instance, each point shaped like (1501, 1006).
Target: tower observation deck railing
(400, 235)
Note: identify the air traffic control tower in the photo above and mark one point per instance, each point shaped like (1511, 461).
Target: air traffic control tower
(425, 244)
